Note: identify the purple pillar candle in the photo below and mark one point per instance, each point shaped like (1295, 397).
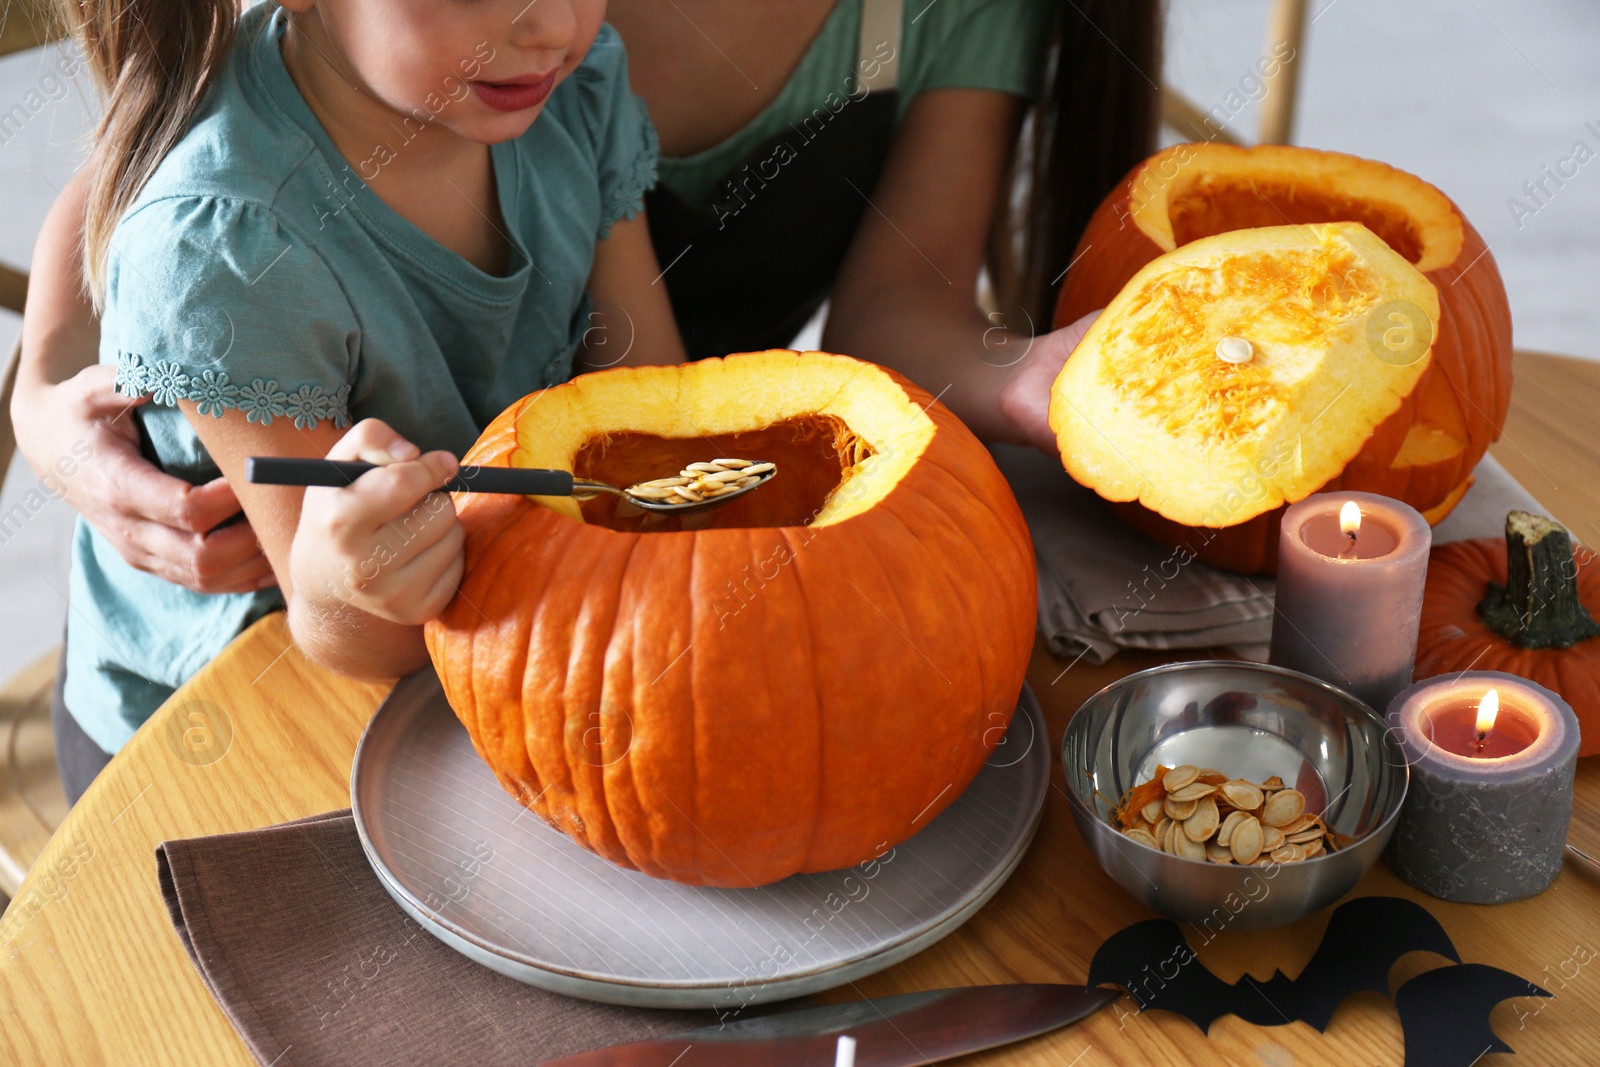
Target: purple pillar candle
(1485, 817)
(1351, 568)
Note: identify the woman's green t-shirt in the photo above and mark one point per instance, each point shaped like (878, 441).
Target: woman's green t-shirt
(944, 44)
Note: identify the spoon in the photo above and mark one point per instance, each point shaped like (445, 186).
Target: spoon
(524, 481)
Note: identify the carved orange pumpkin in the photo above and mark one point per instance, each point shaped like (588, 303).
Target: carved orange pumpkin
(790, 683)
(1424, 451)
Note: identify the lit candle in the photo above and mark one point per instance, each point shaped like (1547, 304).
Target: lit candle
(1351, 568)
(1492, 762)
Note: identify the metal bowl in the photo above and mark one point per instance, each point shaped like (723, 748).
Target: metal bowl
(1251, 721)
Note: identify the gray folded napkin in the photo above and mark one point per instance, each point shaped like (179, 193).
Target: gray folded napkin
(1103, 586)
(313, 963)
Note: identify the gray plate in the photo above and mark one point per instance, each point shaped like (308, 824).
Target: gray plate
(491, 880)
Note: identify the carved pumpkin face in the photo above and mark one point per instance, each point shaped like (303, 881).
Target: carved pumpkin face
(793, 682)
(1424, 450)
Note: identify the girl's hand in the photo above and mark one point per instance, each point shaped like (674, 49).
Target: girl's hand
(388, 544)
(1025, 400)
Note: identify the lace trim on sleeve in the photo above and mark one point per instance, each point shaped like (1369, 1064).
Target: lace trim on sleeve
(213, 392)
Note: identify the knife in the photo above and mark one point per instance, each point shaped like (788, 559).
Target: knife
(897, 1031)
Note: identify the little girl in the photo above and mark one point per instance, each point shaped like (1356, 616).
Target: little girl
(391, 213)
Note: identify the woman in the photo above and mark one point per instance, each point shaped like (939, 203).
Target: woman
(810, 147)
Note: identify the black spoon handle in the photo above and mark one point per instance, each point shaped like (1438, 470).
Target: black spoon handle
(288, 470)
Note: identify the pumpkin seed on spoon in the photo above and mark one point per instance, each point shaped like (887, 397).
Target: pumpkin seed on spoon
(698, 487)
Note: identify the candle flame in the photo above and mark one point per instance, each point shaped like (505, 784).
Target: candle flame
(1350, 518)
(1488, 711)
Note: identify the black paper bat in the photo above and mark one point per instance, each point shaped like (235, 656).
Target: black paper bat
(1364, 938)
(1445, 1012)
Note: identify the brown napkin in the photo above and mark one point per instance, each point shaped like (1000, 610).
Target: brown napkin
(1104, 587)
(314, 963)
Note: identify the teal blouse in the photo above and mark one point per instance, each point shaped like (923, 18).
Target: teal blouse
(257, 272)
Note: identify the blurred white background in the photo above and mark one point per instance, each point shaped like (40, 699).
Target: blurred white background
(1476, 96)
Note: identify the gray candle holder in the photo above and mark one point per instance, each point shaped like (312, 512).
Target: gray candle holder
(1483, 831)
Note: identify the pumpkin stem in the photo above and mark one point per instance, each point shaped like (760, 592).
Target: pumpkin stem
(1538, 607)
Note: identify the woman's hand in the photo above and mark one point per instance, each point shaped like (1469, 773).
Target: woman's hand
(1025, 400)
(389, 544)
(80, 438)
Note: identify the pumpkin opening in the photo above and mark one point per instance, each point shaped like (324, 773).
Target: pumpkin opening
(843, 434)
(1146, 410)
(1207, 208)
(1219, 188)
(813, 453)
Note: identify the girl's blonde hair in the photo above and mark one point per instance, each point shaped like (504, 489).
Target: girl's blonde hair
(153, 61)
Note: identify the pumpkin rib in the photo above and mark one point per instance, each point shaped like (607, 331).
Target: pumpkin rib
(478, 727)
(550, 633)
(956, 527)
(470, 709)
(808, 863)
(993, 502)
(687, 662)
(991, 507)
(782, 605)
(647, 837)
(907, 615)
(690, 753)
(959, 527)
(659, 858)
(1488, 299)
(530, 674)
(503, 683)
(1468, 320)
(615, 799)
(974, 640)
(824, 709)
(904, 623)
(1023, 565)
(592, 615)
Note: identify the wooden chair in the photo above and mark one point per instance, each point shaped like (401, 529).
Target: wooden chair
(32, 803)
(1286, 25)
(24, 24)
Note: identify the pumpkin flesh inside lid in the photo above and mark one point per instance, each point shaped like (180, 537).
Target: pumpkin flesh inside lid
(1146, 410)
(842, 433)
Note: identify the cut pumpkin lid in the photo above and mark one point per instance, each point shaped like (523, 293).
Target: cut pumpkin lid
(1159, 402)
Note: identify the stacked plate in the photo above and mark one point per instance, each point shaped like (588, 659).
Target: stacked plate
(490, 879)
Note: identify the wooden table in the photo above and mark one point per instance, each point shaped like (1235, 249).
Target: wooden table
(91, 971)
